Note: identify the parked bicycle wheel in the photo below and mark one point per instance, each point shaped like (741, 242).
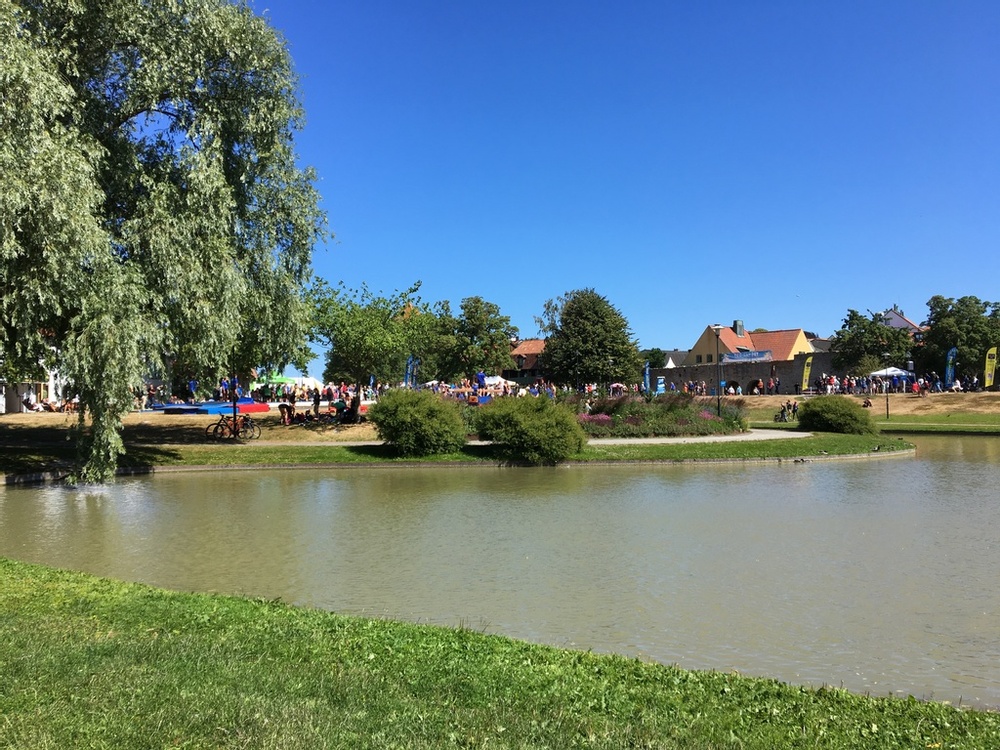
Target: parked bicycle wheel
(222, 431)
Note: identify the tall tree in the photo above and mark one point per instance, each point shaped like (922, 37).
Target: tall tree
(863, 341)
(655, 356)
(969, 323)
(479, 340)
(151, 208)
(369, 334)
(587, 340)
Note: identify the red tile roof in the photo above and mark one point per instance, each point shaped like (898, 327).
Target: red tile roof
(526, 353)
(781, 343)
(733, 343)
(528, 346)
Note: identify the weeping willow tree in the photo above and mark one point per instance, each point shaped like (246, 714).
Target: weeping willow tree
(151, 208)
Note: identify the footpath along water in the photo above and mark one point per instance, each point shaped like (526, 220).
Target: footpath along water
(880, 576)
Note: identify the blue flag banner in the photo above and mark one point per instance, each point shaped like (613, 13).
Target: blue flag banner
(645, 377)
(949, 367)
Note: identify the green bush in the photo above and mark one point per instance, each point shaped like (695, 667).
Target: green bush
(663, 416)
(836, 414)
(418, 423)
(530, 430)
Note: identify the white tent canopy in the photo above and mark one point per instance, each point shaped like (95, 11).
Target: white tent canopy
(496, 380)
(888, 372)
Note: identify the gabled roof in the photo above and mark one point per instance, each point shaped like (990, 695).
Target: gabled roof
(525, 353)
(734, 343)
(895, 319)
(528, 346)
(674, 357)
(781, 343)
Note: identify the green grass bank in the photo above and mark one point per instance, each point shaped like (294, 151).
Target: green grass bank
(27, 458)
(941, 413)
(92, 663)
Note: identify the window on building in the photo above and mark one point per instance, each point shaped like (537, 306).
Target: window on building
(709, 360)
(697, 359)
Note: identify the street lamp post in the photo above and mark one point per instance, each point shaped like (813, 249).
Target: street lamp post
(885, 384)
(718, 371)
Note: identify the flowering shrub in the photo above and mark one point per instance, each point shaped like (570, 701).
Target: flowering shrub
(673, 414)
(598, 420)
(596, 425)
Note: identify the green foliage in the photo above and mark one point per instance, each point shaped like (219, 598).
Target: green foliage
(368, 334)
(655, 356)
(478, 339)
(869, 363)
(861, 344)
(665, 415)
(587, 341)
(530, 430)
(152, 214)
(418, 423)
(971, 324)
(840, 414)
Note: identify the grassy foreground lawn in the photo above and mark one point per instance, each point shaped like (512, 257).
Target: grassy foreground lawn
(88, 662)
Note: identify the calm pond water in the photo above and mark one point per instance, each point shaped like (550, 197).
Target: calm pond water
(880, 576)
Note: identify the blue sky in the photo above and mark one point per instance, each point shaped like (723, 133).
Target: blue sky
(694, 162)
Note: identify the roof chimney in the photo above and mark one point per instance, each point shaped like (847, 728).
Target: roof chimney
(738, 327)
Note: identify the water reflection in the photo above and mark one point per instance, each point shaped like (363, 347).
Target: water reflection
(880, 576)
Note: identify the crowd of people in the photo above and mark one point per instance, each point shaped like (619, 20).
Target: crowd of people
(480, 389)
(870, 385)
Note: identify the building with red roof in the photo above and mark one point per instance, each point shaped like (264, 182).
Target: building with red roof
(736, 344)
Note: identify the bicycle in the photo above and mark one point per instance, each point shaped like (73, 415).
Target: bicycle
(242, 428)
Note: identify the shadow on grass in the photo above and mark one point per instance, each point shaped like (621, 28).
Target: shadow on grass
(32, 436)
(23, 460)
(139, 457)
(38, 458)
(23, 435)
(158, 434)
